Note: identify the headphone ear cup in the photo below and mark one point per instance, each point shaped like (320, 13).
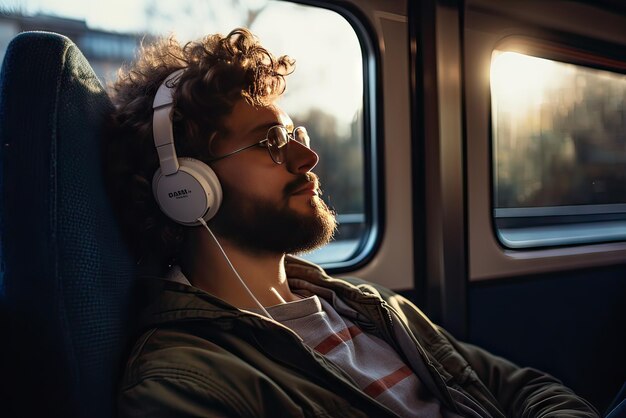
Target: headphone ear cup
(193, 192)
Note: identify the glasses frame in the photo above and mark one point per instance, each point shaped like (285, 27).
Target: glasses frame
(265, 144)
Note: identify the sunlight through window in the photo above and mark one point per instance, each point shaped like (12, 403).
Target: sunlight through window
(559, 143)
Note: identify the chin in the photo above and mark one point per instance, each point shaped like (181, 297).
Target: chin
(304, 224)
(305, 204)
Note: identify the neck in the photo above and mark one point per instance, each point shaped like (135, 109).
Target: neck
(207, 269)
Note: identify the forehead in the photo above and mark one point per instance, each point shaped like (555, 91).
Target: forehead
(246, 119)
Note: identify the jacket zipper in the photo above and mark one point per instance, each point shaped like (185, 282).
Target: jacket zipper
(443, 388)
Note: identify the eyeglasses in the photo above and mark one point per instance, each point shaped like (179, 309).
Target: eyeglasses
(275, 140)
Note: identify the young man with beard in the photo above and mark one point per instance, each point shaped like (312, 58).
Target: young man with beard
(237, 327)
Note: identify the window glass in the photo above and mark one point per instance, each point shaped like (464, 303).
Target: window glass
(325, 93)
(559, 151)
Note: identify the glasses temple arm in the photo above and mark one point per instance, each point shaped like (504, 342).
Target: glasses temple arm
(236, 151)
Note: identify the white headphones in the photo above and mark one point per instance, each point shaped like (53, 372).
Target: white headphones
(185, 189)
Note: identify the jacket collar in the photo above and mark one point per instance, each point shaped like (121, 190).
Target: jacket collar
(172, 298)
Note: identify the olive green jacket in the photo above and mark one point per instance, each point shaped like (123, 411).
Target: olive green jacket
(199, 356)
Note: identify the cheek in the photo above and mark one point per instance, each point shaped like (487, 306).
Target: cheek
(251, 183)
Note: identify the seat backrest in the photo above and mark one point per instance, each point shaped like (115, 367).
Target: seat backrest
(66, 272)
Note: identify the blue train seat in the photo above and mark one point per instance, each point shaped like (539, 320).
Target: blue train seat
(66, 274)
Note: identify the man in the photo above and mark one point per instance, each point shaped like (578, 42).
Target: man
(237, 328)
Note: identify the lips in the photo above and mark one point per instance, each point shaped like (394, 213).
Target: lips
(305, 184)
(308, 188)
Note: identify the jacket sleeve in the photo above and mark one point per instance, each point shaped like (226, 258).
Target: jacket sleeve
(178, 394)
(520, 392)
(523, 392)
(197, 381)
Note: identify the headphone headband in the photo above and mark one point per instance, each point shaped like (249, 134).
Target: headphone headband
(162, 129)
(164, 93)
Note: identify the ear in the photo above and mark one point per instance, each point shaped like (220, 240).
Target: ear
(212, 140)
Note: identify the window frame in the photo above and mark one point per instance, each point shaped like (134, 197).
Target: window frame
(574, 221)
(485, 26)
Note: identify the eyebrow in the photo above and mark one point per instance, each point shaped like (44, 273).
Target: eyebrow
(264, 127)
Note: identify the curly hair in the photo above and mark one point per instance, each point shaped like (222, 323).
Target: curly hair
(219, 71)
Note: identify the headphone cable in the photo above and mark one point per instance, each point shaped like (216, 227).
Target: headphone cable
(203, 222)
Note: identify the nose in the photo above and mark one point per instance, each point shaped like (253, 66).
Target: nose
(300, 158)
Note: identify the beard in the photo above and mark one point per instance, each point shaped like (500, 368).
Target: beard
(261, 226)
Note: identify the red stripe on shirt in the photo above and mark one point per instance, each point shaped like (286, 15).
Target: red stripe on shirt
(334, 340)
(379, 386)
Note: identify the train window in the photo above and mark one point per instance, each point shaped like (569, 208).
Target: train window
(326, 93)
(559, 152)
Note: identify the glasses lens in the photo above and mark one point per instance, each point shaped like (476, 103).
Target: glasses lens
(276, 141)
(300, 134)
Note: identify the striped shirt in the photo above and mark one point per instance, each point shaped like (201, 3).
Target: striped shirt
(373, 365)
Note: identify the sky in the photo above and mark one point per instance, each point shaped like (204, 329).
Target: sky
(328, 57)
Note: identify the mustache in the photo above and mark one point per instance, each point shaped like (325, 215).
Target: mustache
(301, 181)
